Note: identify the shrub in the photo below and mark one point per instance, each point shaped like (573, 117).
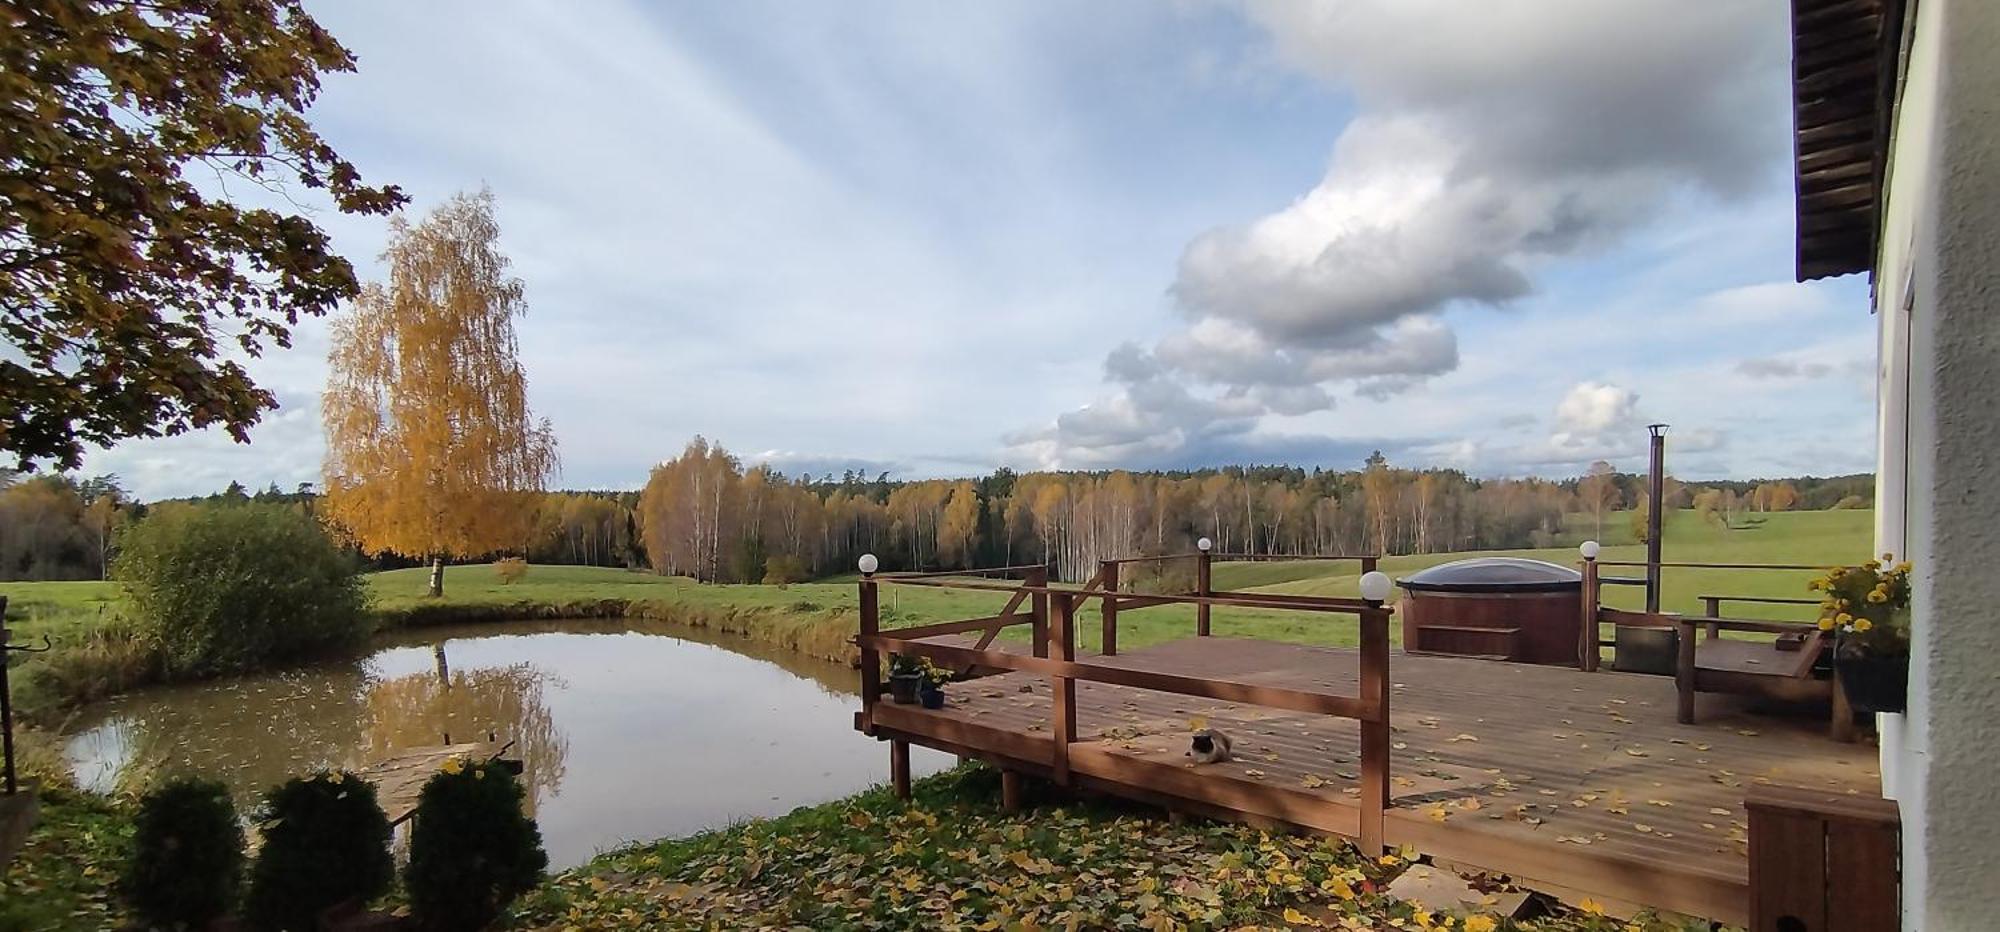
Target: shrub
(187, 854)
(510, 570)
(224, 590)
(326, 840)
(472, 849)
(783, 570)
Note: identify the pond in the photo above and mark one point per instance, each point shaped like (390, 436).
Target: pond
(627, 731)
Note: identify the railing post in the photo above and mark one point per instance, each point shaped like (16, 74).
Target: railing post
(1586, 639)
(1374, 728)
(1202, 588)
(1368, 564)
(1038, 610)
(1684, 683)
(1109, 639)
(871, 662)
(1062, 705)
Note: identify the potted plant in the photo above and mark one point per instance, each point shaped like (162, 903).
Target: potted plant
(930, 689)
(906, 674)
(1867, 609)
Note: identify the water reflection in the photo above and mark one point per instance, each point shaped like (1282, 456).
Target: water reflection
(625, 731)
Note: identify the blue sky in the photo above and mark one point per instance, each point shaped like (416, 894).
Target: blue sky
(933, 239)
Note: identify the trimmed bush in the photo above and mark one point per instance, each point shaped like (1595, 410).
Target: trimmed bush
(225, 589)
(472, 849)
(510, 570)
(187, 855)
(326, 841)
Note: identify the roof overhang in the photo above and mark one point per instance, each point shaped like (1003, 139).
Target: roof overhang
(1845, 55)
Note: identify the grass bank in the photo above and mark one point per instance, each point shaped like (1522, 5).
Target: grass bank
(953, 860)
(63, 877)
(950, 860)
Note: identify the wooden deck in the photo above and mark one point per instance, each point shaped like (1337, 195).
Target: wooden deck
(400, 779)
(1581, 783)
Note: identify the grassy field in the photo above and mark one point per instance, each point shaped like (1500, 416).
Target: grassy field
(97, 656)
(1817, 538)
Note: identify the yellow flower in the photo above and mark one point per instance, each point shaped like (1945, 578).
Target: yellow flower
(1816, 584)
(453, 765)
(1863, 624)
(1826, 624)
(1878, 596)
(336, 777)
(1903, 567)
(1480, 923)
(1872, 564)
(1843, 618)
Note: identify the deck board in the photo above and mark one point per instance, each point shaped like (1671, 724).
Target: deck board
(1579, 779)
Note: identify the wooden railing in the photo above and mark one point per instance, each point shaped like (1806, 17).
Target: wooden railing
(1053, 612)
(1590, 639)
(1109, 573)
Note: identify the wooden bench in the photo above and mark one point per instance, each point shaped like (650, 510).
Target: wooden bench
(1715, 664)
(1712, 604)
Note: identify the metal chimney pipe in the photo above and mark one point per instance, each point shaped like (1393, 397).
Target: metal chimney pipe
(1656, 489)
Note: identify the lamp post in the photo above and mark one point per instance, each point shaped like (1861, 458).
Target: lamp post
(1201, 586)
(1587, 648)
(1655, 496)
(1375, 587)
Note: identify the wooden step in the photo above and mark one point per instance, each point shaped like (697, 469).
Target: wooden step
(1470, 629)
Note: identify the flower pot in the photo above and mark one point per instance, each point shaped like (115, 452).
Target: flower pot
(903, 687)
(1874, 684)
(932, 695)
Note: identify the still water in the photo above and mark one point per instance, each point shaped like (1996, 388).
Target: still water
(627, 730)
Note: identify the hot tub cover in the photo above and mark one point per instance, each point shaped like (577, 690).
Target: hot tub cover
(1494, 574)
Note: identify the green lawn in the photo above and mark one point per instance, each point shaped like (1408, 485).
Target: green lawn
(1802, 537)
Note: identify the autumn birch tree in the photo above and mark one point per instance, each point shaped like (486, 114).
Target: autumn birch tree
(430, 443)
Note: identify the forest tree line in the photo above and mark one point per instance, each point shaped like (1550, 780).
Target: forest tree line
(709, 515)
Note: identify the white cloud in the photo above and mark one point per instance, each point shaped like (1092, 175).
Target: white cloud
(1491, 140)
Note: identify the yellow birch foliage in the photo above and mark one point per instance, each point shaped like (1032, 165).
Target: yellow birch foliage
(430, 443)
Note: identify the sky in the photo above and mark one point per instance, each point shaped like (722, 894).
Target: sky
(933, 239)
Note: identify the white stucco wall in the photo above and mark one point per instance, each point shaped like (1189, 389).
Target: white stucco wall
(1940, 259)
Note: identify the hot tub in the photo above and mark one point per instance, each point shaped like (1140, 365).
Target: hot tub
(1501, 608)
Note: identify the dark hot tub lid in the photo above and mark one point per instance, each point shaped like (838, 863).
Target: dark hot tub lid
(1494, 574)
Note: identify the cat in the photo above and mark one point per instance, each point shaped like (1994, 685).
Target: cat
(1209, 746)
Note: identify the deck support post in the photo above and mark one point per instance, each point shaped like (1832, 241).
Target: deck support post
(1109, 640)
(1010, 790)
(1202, 588)
(899, 767)
(1374, 728)
(1842, 729)
(1038, 610)
(871, 660)
(1062, 708)
(1587, 633)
